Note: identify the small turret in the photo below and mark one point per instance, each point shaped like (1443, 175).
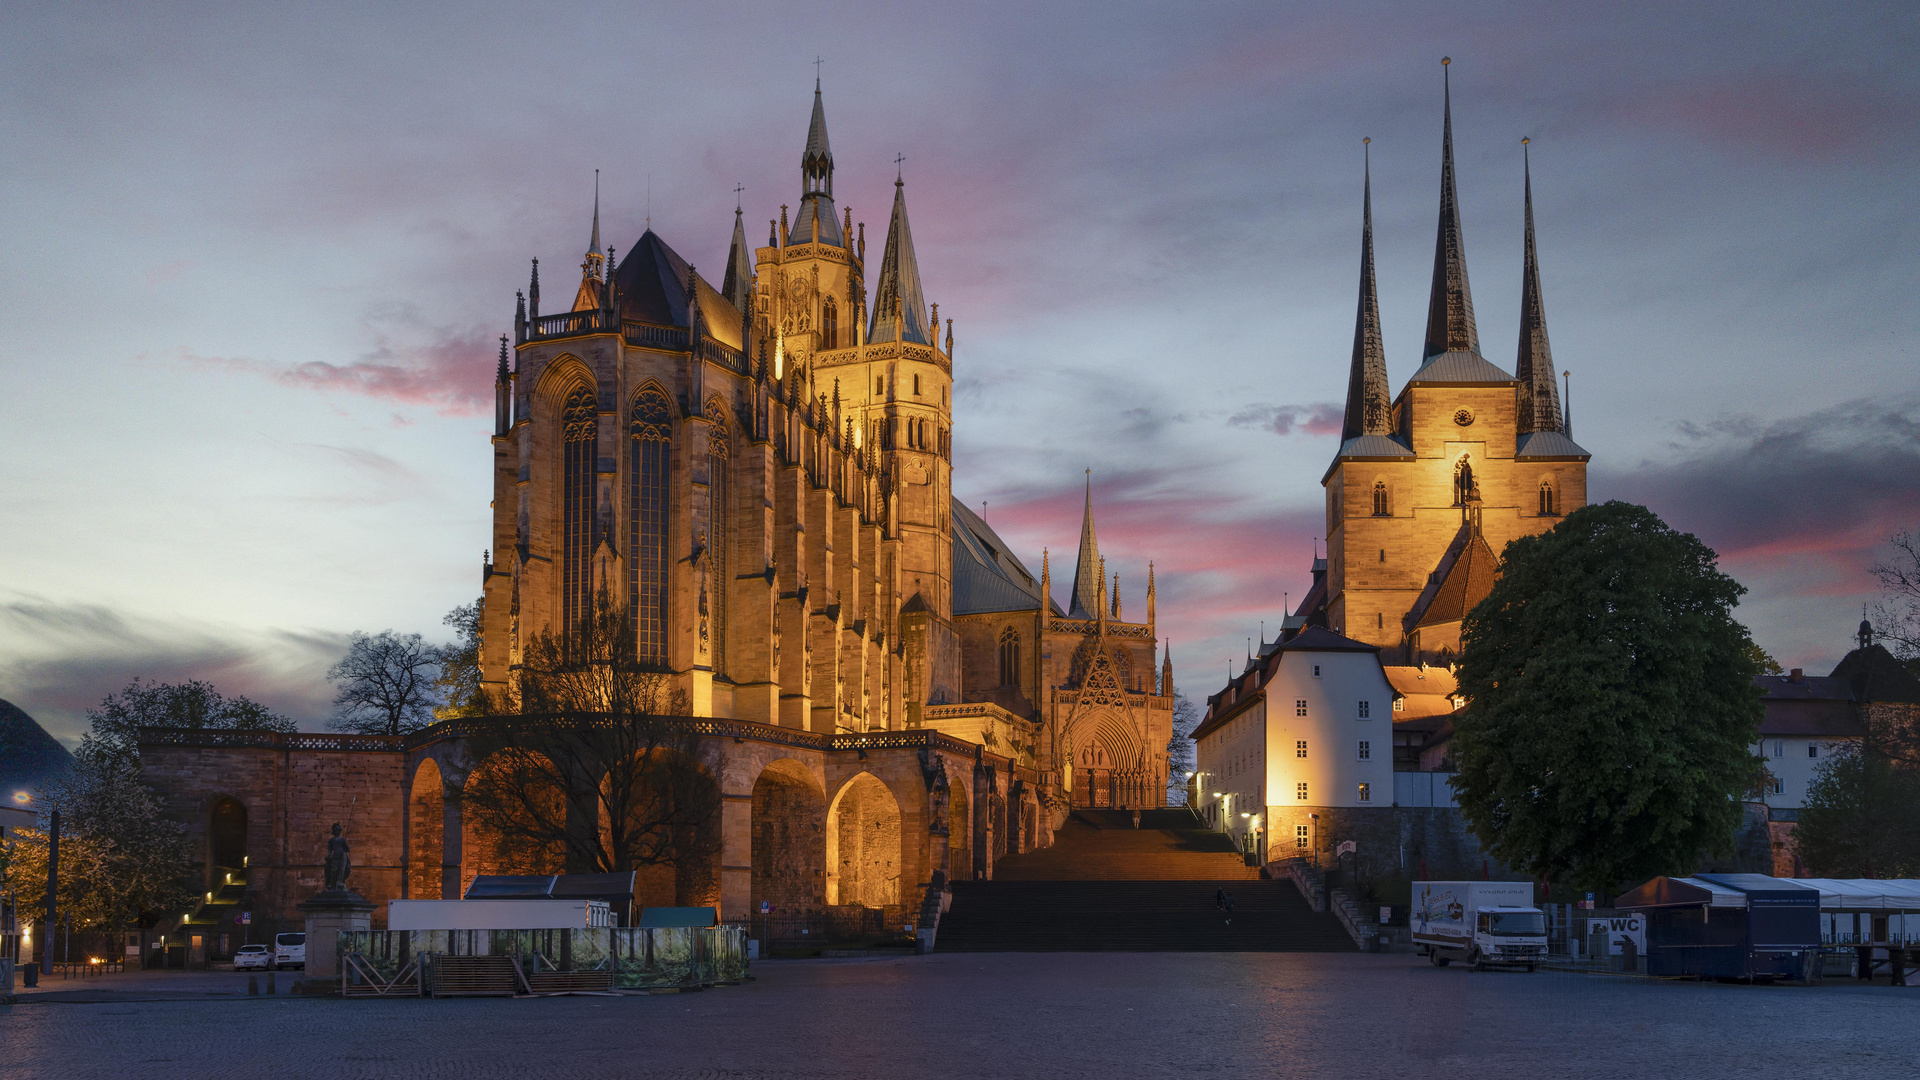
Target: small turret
(899, 310)
(502, 393)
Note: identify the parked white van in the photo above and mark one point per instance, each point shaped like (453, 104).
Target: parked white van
(290, 950)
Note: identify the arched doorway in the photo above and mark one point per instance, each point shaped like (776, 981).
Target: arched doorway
(226, 837)
(789, 837)
(863, 845)
(426, 832)
(672, 835)
(507, 820)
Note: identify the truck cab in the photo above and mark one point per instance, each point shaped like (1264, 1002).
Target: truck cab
(1484, 923)
(1508, 935)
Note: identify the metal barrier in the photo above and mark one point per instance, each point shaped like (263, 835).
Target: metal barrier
(385, 962)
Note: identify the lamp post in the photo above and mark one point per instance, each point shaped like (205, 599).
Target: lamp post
(1316, 840)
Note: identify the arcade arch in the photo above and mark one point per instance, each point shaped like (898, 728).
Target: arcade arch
(789, 840)
(426, 832)
(863, 848)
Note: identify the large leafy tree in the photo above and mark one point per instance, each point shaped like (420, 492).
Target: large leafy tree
(1609, 735)
(1186, 716)
(114, 731)
(459, 681)
(1861, 816)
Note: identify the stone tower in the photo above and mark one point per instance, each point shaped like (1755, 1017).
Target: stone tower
(1427, 488)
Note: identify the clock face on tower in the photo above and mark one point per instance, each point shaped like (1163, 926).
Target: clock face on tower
(1464, 417)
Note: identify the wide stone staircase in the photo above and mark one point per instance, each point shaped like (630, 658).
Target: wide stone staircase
(1105, 885)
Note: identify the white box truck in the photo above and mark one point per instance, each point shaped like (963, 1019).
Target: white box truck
(1481, 922)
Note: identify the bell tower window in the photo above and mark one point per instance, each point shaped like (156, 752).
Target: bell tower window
(1549, 506)
(1381, 506)
(1009, 657)
(829, 324)
(1464, 489)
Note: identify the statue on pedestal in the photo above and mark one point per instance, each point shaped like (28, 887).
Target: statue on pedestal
(339, 864)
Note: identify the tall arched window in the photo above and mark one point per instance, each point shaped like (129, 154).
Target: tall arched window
(1548, 506)
(719, 531)
(1123, 668)
(1009, 657)
(579, 423)
(650, 441)
(1463, 489)
(829, 324)
(1381, 507)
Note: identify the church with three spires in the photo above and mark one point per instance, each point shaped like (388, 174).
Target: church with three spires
(760, 476)
(1427, 487)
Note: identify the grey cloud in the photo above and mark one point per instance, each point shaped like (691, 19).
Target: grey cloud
(1321, 419)
(62, 659)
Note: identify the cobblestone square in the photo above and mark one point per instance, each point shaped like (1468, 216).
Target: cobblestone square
(1106, 1016)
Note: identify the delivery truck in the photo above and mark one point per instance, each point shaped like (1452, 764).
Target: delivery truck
(1484, 923)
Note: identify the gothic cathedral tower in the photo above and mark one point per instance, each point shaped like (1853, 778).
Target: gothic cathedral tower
(1426, 489)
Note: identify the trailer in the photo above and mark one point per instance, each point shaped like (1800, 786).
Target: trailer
(1484, 923)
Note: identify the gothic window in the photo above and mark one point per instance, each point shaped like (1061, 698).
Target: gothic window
(1009, 657)
(719, 532)
(1548, 506)
(829, 324)
(916, 384)
(579, 421)
(1123, 668)
(1463, 486)
(650, 428)
(1381, 507)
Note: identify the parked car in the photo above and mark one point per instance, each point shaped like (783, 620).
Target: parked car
(290, 950)
(254, 957)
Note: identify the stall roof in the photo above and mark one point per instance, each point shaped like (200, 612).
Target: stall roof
(1865, 894)
(1708, 890)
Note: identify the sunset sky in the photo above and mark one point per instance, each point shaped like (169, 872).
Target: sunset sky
(255, 259)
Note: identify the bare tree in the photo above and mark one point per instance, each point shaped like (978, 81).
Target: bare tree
(1898, 610)
(387, 684)
(1186, 716)
(592, 765)
(459, 681)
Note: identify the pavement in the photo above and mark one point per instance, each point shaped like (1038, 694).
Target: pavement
(1109, 1016)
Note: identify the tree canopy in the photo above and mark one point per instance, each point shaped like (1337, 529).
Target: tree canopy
(387, 683)
(1861, 816)
(459, 682)
(1612, 716)
(116, 723)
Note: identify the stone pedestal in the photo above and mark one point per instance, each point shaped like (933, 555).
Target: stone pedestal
(329, 913)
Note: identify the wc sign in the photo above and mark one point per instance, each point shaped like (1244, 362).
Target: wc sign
(1621, 929)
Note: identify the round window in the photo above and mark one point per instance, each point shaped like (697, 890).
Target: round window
(1464, 417)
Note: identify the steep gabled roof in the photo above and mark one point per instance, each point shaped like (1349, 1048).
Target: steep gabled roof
(1464, 577)
(899, 287)
(1873, 674)
(652, 280)
(987, 576)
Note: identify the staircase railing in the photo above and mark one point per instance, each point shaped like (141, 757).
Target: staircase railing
(1313, 886)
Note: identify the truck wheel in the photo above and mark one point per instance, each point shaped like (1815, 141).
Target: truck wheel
(1479, 962)
(1438, 960)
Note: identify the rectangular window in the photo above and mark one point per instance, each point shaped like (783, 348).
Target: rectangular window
(1300, 748)
(1399, 704)
(1366, 750)
(1300, 837)
(1300, 791)
(1366, 792)
(1316, 671)
(1366, 710)
(1300, 707)
(1813, 749)
(1779, 748)
(916, 384)
(1779, 786)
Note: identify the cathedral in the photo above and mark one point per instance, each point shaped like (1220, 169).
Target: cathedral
(760, 475)
(1428, 487)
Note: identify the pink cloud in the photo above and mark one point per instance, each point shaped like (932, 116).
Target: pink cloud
(1323, 418)
(1777, 111)
(454, 375)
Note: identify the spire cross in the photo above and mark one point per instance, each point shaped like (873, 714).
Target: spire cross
(737, 189)
(816, 70)
(898, 172)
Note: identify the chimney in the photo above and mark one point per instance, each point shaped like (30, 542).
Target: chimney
(1794, 676)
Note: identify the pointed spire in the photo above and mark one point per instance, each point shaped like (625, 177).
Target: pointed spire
(1150, 594)
(1046, 583)
(816, 184)
(590, 294)
(593, 242)
(1368, 399)
(900, 309)
(533, 293)
(737, 286)
(1450, 325)
(1087, 571)
(1539, 397)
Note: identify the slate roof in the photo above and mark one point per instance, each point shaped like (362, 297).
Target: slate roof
(1321, 639)
(1455, 368)
(986, 575)
(652, 278)
(1547, 445)
(1374, 446)
(1872, 674)
(1464, 578)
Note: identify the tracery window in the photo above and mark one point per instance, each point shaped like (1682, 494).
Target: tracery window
(1123, 668)
(829, 324)
(1463, 486)
(1009, 657)
(720, 532)
(650, 431)
(579, 422)
(1381, 507)
(1549, 507)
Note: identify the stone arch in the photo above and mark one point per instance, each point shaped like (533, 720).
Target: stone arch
(226, 837)
(688, 872)
(788, 822)
(426, 831)
(864, 844)
(960, 832)
(484, 850)
(557, 379)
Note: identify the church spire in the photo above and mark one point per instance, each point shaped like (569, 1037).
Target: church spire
(899, 307)
(816, 184)
(1088, 573)
(1539, 397)
(1368, 399)
(589, 295)
(738, 284)
(1450, 306)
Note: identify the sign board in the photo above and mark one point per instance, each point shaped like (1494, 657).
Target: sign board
(243, 918)
(133, 950)
(1345, 847)
(765, 908)
(1386, 915)
(1620, 929)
